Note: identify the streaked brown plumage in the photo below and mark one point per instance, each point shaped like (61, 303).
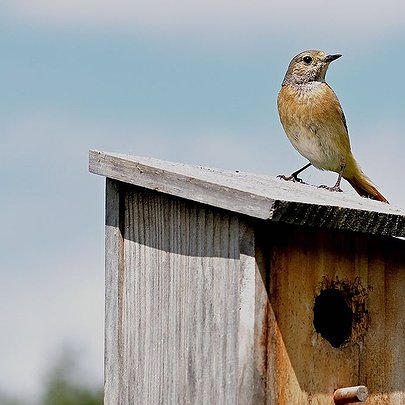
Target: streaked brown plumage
(313, 120)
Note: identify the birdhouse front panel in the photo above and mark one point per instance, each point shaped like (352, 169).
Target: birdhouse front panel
(336, 316)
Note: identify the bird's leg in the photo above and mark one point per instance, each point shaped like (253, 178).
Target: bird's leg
(294, 177)
(336, 187)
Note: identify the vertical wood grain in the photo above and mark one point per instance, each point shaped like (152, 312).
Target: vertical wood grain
(187, 307)
(383, 360)
(114, 244)
(247, 388)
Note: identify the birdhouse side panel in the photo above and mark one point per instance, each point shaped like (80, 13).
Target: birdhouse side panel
(184, 299)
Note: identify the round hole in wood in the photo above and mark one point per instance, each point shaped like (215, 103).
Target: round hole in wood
(333, 317)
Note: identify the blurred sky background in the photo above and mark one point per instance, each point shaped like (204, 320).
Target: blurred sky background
(187, 81)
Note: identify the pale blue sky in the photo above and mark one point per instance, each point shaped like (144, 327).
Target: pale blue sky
(190, 82)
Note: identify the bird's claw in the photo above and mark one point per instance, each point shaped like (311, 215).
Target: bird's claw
(295, 179)
(334, 188)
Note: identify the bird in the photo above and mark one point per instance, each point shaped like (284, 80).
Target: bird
(315, 124)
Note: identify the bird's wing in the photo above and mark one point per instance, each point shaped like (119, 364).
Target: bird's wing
(335, 110)
(342, 114)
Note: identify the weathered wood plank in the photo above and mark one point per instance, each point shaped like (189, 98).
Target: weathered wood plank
(114, 244)
(257, 196)
(383, 362)
(186, 312)
(247, 385)
(180, 184)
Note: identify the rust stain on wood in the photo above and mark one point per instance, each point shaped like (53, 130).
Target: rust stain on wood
(264, 339)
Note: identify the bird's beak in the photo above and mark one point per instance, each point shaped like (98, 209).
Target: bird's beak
(331, 58)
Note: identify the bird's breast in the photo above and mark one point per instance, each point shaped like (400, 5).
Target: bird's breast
(313, 121)
(306, 105)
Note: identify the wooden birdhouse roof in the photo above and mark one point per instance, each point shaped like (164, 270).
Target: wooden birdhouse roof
(263, 197)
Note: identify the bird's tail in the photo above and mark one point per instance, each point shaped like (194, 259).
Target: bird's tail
(363, 185)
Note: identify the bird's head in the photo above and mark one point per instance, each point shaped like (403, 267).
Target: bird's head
(308, 66)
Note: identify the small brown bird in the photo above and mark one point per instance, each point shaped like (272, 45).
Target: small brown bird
(313, 120)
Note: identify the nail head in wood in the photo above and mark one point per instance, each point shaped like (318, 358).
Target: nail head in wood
(349, 395)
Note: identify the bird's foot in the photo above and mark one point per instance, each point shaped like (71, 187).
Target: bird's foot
(334, 188)
(293, 178)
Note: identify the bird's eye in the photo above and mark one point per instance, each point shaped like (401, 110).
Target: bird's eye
(307, 59)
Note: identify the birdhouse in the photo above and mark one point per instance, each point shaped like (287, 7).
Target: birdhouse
(224, 287)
